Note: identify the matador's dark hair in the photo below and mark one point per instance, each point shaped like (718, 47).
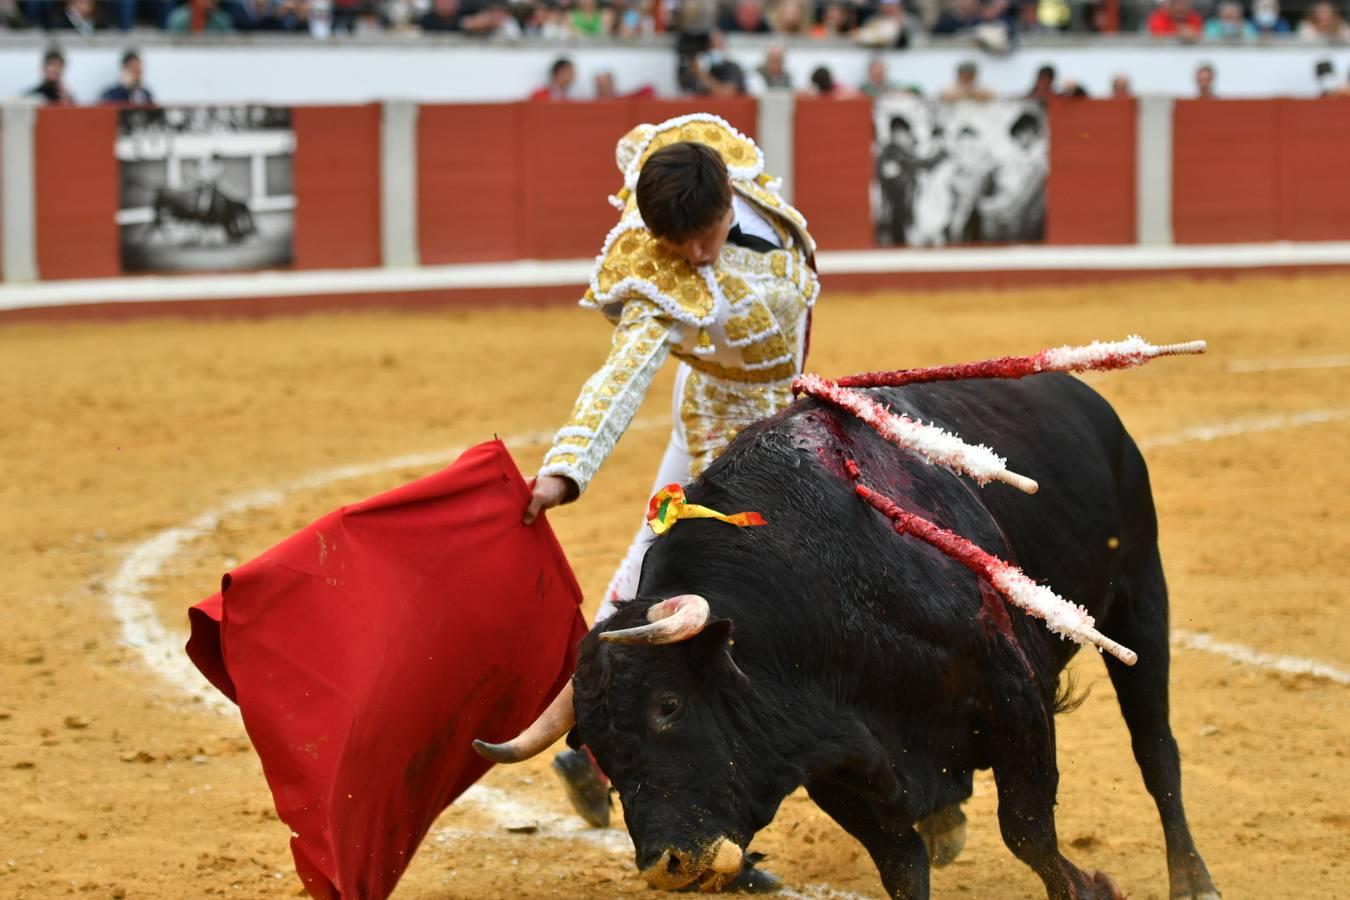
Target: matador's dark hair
(683, 190)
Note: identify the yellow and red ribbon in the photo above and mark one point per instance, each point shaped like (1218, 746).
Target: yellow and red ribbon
(669, 506)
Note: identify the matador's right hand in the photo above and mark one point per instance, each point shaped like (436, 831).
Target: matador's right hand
(549, 491)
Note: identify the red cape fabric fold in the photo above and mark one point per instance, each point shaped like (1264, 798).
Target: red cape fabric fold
(368, 650)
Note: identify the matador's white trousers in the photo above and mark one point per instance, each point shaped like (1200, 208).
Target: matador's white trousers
(674, 469)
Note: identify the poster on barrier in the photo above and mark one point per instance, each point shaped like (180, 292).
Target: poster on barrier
(206, 188)
(959, 173)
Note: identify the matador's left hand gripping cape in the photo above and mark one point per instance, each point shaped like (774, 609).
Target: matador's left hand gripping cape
(739, 323)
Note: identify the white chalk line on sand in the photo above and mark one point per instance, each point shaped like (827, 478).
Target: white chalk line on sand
(161, 649)
(1250, 425)
(1290, 363)
(1275, 662)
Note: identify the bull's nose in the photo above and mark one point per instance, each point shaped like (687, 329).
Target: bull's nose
(670, 871)
(674, 868)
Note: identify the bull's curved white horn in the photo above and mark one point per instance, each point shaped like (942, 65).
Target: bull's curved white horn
(671, 621)
(553, 723)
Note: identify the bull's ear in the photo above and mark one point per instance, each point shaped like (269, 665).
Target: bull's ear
(713, 649)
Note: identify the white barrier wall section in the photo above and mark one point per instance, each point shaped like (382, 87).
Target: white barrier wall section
(435, 70)
(569, 277)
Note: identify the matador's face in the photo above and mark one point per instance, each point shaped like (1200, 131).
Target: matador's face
(703, 248)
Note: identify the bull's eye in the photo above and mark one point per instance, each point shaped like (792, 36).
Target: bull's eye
(665, 710)
(669, 706)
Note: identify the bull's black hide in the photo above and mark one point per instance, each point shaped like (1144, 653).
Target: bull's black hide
(870, 667)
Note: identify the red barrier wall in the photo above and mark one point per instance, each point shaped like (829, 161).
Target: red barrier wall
(76, 185)
(522, 180)
(504, 181)
(1225, 160)
(1314, 180)
(337, 186)
(832, 170)
(568, 171)
(469, 182)
(1090, 195)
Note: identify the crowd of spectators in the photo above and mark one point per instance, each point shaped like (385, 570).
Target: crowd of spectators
(714, 73)
(996, 24)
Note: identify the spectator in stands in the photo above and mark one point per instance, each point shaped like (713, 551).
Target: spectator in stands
(443, 16)
(746, 16)
(369, 21)
(129, 89)
(399, 15)
(725, 78)
(589, 20)
(878, 83)
(1175, 18)
(1028, 21)
(772, 74)
(1324, 73)
(79, 16)
(702, 63)
(967, 86)
(604, 85)
(888, 27)
(285, 15)
(52, 88)
(1120, 87)
(1228, 24)
(215, 19)
(496, 20)
(962, 17)
(1043, 88)
(1267, 19)
(824, 85)
(694, 19)
(834, 22)
(789, 17)
(560, 77)
(1323, 24)
(606, 88)
(550, 22)
(995, 31)
(633, 18)
(1204, 82)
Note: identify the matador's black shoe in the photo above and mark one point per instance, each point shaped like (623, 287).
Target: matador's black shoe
(585, 784)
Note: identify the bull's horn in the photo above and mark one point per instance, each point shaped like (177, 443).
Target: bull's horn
(671, 621)
(552, 724)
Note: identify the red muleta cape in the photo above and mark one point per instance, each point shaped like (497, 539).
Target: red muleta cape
(369, 649)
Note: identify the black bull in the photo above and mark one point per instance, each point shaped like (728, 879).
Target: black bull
(870, 667)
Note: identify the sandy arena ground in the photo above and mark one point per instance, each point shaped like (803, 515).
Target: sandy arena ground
(117, 783)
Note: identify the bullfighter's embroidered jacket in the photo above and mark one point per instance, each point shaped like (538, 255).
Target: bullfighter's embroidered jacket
(739, 323)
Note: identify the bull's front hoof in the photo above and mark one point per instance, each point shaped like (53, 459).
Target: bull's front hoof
(1192, 882)
(1105, 888)
(944, 834)
(585, 786)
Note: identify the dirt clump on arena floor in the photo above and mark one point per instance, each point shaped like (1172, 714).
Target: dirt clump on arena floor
(119, 784)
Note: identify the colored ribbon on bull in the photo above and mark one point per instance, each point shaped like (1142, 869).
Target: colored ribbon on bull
(669, 506)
